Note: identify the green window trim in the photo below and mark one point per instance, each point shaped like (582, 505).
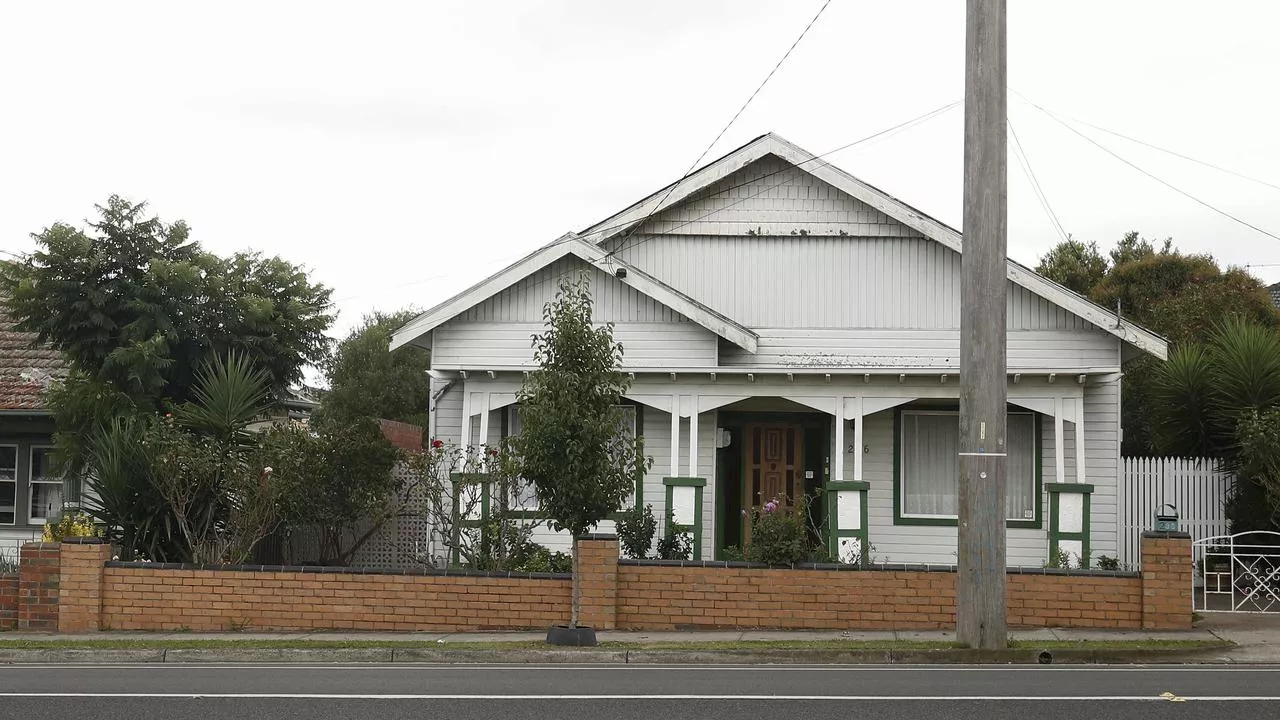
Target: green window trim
(1038, 493)
(699, 487)
(835, 533)
(1056, 534)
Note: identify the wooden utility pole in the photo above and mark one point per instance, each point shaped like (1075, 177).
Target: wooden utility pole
(980, 598)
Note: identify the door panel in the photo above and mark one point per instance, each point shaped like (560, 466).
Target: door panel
(773, 466)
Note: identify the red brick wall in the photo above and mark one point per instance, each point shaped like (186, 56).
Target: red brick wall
(218, 600)
(402, 435)
(8, 602)
(675, 598)
(80, 585)
(1166, 581)
(38, 587)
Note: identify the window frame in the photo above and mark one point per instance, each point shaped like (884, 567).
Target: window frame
(899, 430)
(14, 481)
(32, 519)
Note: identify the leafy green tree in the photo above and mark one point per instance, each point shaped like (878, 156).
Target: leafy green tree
(1222, 400)
(570, 445)
(1074, 265)
(368, 380)
(1177, 295)
(137, 307)
(333, 480)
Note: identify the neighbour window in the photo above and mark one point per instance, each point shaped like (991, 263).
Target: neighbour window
(929, 483)
(8, 484)
(46, 486)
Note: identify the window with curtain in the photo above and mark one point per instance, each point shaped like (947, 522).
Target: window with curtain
(930, 445)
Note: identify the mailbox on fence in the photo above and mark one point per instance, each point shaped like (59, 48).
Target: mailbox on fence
(1167, 521)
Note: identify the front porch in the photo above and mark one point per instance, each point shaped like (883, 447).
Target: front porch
(880, 487)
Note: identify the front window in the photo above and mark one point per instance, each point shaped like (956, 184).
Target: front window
(46, 486)
(930, 446)
(8, 484)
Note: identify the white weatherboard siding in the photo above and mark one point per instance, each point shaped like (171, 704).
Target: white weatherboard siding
(657, 444)
(498, 332)
(461, 345)
(1028, 350)
(834, 282)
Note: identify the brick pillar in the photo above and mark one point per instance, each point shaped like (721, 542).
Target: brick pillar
(1166, 581)
(598, 562)
(80, 584)
(8, 602)
(38, 587)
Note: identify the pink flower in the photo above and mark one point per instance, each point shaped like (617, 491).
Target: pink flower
(770, 506)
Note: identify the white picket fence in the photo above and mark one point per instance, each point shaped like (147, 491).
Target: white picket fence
(1193, 486)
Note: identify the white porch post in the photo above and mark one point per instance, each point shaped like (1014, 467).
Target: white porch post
(1059, 442)
(464, 439)
(1080, 470)
(693, 436)
(837, 459)
(484, 419)
(858, 418)
(675, 436)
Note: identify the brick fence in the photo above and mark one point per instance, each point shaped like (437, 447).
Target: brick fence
(75, 588)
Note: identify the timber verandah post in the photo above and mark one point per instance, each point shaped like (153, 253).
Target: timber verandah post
(981, 604)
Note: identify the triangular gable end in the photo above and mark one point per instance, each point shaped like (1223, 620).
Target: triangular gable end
(877, 201)
(571, 245)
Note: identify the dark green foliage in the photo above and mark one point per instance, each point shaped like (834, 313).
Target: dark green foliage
(1074, 265)
(536, 558)
(674, 545)
(1106, 562)
(1182, 297)
(333, 479)
(137, 308)
(636, 529)
(779, 536)
(733, 553)
(570, 447)
(368, 380)
(1222, 400)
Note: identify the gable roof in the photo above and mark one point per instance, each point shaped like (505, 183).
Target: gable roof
(772, 144)
(571, 244)
(26, 368)
(587, 246)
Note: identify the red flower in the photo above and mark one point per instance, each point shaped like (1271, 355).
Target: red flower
(493, 452)
(437, 444)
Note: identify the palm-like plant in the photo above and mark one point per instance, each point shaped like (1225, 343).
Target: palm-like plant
(227, 397)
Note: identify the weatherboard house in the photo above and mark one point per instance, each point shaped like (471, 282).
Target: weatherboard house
(790, 330)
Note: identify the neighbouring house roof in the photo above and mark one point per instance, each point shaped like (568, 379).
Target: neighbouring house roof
(27, 368)
(582, 243)
(1275, 293)
(571, 244)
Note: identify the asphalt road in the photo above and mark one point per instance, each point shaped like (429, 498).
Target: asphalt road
(594, 692)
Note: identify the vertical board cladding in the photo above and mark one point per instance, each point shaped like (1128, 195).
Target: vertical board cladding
(169, 598)
(657, 445)
(653, 597)
(8, 601)
(804, 282)
(1102, 465)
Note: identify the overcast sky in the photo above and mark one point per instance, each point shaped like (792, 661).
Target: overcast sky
(403, 151)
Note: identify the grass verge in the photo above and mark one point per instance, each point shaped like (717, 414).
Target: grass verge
(849, 645)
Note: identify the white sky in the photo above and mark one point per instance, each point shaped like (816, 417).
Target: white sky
(403, 151)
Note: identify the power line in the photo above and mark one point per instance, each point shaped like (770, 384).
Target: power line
(1025, 161)
(1158, 179)
(1167, 151)
(734, 119)
(900, 127)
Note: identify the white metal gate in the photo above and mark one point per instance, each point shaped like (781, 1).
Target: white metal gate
(1239, 573)
(1193, 486)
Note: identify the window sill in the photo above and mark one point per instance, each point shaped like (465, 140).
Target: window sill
(1036, 524)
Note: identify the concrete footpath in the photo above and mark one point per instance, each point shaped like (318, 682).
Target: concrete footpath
(1219, 638)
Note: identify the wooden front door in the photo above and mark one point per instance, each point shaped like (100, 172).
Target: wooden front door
(774, 467)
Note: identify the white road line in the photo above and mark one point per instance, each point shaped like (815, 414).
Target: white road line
(751, 698)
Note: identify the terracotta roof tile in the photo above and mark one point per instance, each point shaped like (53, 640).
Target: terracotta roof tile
(26, 368)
